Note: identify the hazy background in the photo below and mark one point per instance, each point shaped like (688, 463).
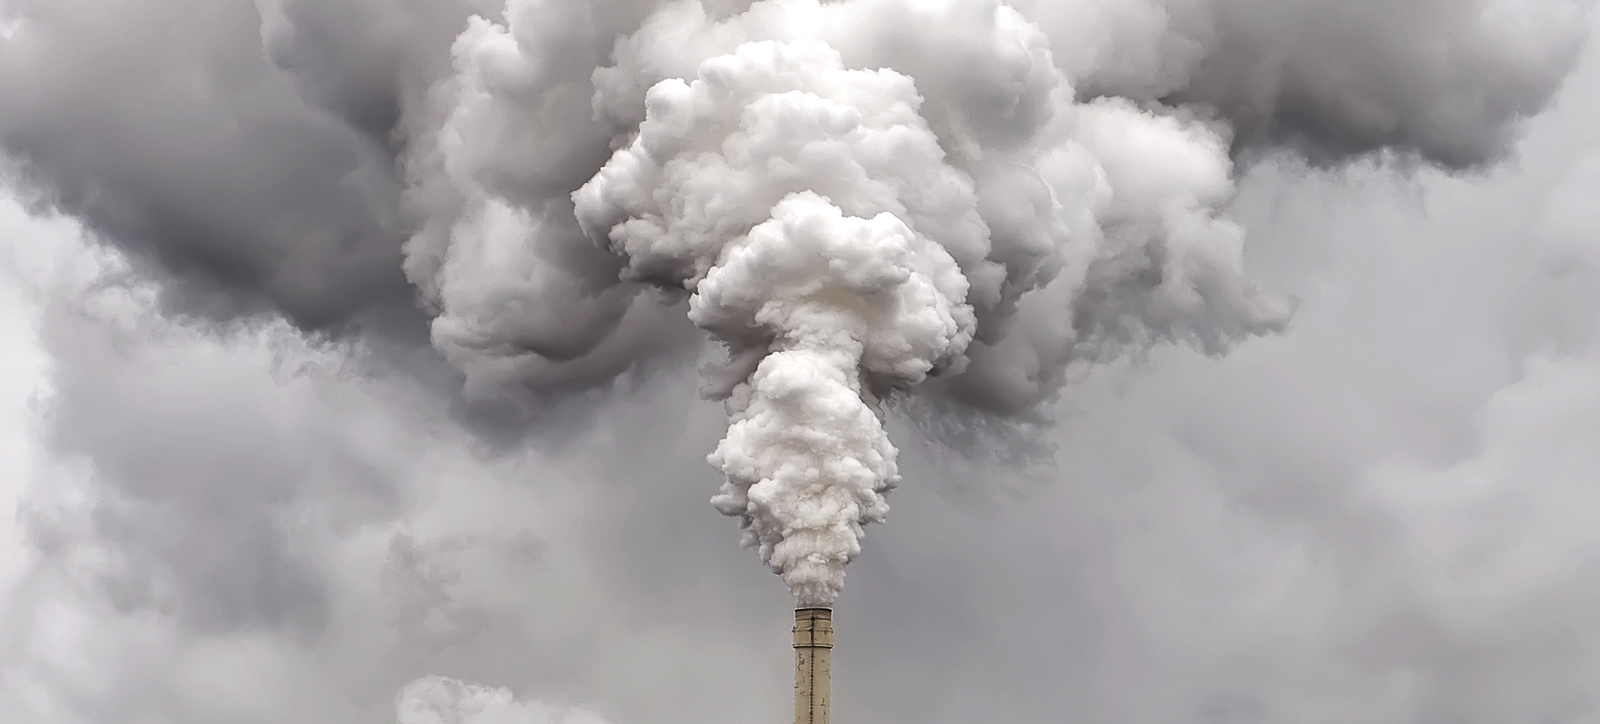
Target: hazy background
(1385, 514)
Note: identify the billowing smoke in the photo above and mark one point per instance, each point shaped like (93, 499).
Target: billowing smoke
(829, 222)
(810, 210)
(949, 200)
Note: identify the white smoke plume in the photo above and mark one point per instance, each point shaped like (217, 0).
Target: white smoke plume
(852, 196)
(729, 190)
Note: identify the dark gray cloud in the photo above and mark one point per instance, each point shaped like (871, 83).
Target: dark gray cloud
(336, 163)
(1445, 81)
(167, 126)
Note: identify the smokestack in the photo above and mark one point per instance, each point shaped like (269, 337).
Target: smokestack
(813, 646)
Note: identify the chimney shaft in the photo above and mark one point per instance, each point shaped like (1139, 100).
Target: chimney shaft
(813, 646)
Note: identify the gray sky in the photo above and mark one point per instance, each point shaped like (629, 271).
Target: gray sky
(1382, 515)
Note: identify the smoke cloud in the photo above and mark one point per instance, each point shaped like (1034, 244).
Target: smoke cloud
(954, 201)
(1379, 516)
(833, 307)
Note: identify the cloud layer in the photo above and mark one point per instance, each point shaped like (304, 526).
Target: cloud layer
(1377, 516)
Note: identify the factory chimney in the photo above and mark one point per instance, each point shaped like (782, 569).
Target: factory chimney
(813, 646)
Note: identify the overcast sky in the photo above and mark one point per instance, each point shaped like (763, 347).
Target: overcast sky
(1384, 514)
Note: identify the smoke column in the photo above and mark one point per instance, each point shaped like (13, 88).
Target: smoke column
(730, 191)
(948, 201)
